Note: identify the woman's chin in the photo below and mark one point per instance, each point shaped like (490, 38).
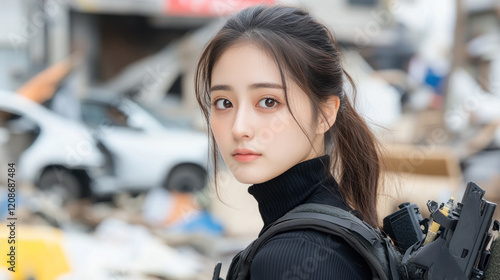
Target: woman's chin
(249, 179)
(245, 180)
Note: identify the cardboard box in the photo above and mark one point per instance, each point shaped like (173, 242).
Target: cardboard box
(417, 174)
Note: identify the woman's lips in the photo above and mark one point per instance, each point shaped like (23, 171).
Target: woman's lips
(246, 157)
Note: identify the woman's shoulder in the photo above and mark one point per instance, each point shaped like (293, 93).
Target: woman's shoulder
(308, 254)
(310, 240)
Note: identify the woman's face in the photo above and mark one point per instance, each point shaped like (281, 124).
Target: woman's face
(253, 128)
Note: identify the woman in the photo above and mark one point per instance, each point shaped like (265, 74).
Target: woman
(271, 86)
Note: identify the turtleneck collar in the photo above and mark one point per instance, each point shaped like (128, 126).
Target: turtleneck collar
(293, 187)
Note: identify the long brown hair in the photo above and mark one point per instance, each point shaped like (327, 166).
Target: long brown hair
(306, 51)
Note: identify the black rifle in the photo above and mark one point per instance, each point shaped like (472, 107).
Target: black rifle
(463, 248)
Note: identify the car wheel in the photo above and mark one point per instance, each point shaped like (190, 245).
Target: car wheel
(186, 178)
(60, 186)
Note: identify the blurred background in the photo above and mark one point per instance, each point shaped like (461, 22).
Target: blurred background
(99, 117)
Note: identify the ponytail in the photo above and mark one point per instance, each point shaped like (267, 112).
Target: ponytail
(355, 159)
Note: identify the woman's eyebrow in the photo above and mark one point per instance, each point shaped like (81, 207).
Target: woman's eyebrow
(220, 87)
(265, 85)
(251, 87)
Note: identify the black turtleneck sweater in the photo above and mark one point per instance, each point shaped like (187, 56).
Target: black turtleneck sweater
(303, 254)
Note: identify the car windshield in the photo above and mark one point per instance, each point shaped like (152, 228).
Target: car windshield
(166, 121)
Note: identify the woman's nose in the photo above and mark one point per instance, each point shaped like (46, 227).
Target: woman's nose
(242, 125)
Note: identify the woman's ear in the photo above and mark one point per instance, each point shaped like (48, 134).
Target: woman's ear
(330, 110)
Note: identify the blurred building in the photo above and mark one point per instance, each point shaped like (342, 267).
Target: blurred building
(24, 43)
(482, 35)
(149, 48)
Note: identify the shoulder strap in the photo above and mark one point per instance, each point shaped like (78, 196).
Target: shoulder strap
(335, 221)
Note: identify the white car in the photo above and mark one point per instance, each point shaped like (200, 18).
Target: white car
(144, 151)
(58, 155)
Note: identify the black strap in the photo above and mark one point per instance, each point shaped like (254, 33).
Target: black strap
(393, 260)
(341, 227)
(370, 236)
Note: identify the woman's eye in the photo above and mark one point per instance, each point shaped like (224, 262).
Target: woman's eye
(222, 104)
(268, 103)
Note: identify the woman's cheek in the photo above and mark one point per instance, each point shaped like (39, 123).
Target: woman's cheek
(219, 129)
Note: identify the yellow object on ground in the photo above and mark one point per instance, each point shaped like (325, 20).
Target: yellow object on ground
(38, 252)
